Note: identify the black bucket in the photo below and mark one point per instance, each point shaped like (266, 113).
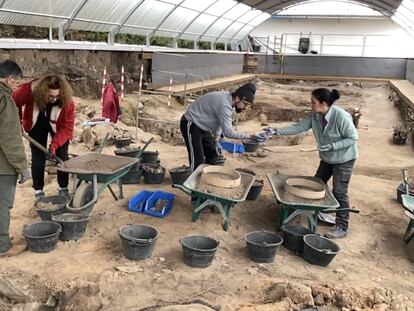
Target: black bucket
(121, 142)
(250, 145)
(255, 190)
(180, 174)
(199, 250)
(132, 177)
(247, 171)
(149, 157)
(138, 241)
(293, 237)
(153, 178)
(128, 152)
(318, 250)
(42, 236)
(73, 225)
(48, 206)
(263, 245)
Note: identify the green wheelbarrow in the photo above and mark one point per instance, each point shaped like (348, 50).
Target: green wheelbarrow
(408, 204)
(203, 199)
(293, 206)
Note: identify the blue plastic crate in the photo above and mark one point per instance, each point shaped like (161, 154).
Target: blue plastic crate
(159, 195)
(232, 147)
(137, 203)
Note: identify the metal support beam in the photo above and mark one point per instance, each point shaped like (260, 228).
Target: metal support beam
(211, 24)
(194, 19)
(66, 25)
(151, 34)
(2, 3)
(125, 19)
(232, 37)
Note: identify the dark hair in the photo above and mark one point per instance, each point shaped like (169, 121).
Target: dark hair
(9, 68)
(325, 95)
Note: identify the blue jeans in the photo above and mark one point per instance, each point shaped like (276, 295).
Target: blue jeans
(341, 174)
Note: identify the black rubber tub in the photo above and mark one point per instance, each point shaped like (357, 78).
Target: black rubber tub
(149, 157)
(255, 190)
(247, 171)
(121, 142)
(262, 246)
(250, 145)
(132, 177)
(42, 236)
(73, 225)
(48, 206)
(128, 152)
(152, 176)
(138, 241)
(180, 174)
(293, 237)
(199, 250)
(318, 250)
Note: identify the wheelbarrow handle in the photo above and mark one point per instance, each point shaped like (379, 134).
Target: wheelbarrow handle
(182, 188)
(40, 147)
(143, 148)
(351, 210)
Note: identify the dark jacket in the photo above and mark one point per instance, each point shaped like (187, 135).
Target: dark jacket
(12, 156)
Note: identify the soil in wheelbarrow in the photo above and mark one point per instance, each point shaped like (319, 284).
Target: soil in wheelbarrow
(227, 193)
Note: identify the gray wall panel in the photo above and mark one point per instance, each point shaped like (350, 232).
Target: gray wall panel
(210, 66)
(410, 70)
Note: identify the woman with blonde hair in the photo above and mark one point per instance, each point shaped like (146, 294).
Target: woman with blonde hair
(46, 107)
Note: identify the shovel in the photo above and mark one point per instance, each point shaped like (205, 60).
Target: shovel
(42, 148)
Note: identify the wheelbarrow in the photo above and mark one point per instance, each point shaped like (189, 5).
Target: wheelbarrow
(204, 199)
(93, 169)
(408, 204)
(293, 206)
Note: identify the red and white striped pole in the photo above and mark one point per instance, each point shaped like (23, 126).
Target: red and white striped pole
(103, 84)
(139, 99)
(122, 82)
(169, 91)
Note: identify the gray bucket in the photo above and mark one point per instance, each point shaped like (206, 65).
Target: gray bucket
(262, 245)
(42, 236)
(73, 225)
(199, 250)
(138, 241)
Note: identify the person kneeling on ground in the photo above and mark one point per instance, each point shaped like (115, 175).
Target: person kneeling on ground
(337, 138)
(209, 115)
(48, 109)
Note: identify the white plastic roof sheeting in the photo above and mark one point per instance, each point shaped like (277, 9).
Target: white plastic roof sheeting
(226, 21)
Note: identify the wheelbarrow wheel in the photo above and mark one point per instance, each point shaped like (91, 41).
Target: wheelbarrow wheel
(83, 195)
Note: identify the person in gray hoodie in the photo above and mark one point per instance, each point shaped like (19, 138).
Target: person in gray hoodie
(209, 117)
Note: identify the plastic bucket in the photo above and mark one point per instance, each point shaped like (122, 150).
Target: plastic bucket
(318, 250)
(121, 142)
(42, 236)
(180, 174)
(293, 237)
(149, 157)
(73, 225)
(247, 171)
(152, 177)
(250, 145)
(48, 206)
(255, 190)
(132, 177)
(138, 241)
(199, 250)
(262, 246)
(130, 152)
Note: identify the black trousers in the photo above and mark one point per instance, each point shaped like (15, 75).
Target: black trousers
(39, 158)
(341, 174)
(200, 144)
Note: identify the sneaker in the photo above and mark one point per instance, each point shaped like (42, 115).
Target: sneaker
(64, 192)
(39, 194)
(336, 233)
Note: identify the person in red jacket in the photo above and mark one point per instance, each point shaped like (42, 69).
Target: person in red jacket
(46, 107)
(110, 103)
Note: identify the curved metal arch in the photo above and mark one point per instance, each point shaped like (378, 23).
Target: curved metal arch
(178, 37)
(126, 18)
(248, 23)
(65, 25)
(213, 22)
(149, 36)
(232, 23)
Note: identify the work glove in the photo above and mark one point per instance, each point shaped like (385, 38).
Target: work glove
(261, 137)
(271, 131)
(24, 175)
(218, 146)
(325, 148)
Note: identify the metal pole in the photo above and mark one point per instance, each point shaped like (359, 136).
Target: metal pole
(321, 45)
(185, 90)
(139, 99)
(364, 42)
(103, 84)
(122, 83)
(169, 91)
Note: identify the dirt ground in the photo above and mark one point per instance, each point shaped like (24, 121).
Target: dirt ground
(372, 272)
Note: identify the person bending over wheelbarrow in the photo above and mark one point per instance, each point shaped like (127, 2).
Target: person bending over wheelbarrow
(211, 114)
(48, 109)
(337, 138)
